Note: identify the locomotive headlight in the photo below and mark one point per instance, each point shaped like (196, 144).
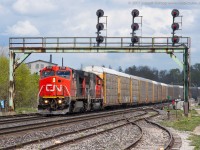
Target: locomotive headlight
(54, 80)
(46, 101)
(59, 101)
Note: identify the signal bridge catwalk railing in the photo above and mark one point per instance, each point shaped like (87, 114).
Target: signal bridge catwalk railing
(89, 44)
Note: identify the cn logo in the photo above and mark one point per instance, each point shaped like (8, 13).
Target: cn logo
(51, 87)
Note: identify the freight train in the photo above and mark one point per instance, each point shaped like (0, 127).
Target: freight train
(65, 90)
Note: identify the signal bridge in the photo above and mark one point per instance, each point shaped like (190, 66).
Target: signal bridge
(89, 45)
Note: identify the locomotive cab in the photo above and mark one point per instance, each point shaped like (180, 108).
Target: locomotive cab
(54, 95)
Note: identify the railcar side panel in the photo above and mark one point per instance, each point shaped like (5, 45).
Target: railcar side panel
(170, 92)
(150, 92)
(181, 92)
(155, 88)
(135, 91)
(111, 89)
(159, 92)
(164, 92)
(143, 92)
(125, 89)
(193, 92)
(176, 91)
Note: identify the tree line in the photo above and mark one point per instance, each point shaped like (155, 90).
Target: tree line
(172, 76)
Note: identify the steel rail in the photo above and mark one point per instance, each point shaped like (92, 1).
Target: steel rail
(15, 129)
(55, 146)
(67, 133)
(16, 120)
(168, 146)
(19, 115)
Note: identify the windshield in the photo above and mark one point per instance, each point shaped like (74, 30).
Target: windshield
(64, 74)
(47, 73)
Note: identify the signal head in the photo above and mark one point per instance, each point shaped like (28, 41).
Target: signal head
(100, 13)
(100, 26)
(135, 26)
(175, 39)
(99, 39)
(175, 26)
(134, 39)
(135, 12)
(175, 13)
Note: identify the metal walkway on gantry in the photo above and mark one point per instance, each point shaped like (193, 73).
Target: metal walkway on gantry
(28, 45)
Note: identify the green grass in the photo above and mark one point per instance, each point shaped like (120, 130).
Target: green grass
(181, 122)
(185, 124)
(195, 141)
(24, 110)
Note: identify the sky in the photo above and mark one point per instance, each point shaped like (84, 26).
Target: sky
(77, 18)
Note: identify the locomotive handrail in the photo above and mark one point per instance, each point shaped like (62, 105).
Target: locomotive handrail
(67, 91)
(40, 90)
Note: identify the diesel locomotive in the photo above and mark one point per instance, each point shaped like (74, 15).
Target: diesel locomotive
(65, 90)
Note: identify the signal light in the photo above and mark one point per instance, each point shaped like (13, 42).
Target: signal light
(135, 26)
(175, 13)
(134, 39)
(99, 39)
(99, 26)
(100, 13)
(135, 13)
(175, 26)
(175, 39)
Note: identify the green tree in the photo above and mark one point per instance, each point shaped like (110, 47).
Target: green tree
(26, 85)
(4, 84)
(195, 74)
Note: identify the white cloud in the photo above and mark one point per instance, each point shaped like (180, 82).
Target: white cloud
(33, 6)
(23, 28)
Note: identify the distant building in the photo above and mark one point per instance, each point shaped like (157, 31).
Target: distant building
(36, 66)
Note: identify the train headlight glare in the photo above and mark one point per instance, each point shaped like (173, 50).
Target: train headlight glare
(54, 80)
(59, 101)
(46, 101)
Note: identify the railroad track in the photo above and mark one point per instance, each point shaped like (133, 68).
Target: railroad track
(128, 121)
(54, 123)
(167, 146)
(19, 115)
(21, 119)
(124, 121)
